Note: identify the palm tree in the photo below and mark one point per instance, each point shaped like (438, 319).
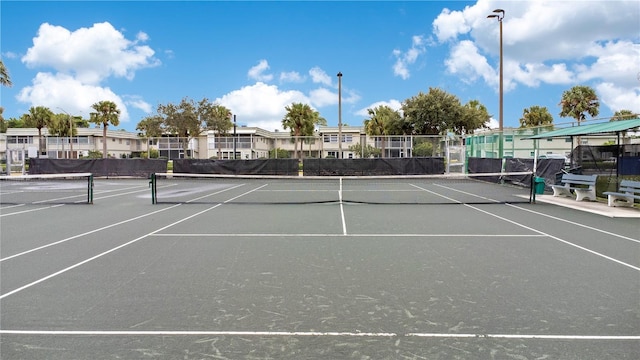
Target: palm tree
(535, 116)
(106, 114)
(301, 119)
(624, 115)
(39, 117)
(5, 79)
(579, 101)
(379, 123)
(62, 125)
(576, 103)
(150, 127)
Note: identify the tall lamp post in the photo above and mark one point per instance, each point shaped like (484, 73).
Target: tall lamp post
(70, 132)
(499, 15)
(339, 115)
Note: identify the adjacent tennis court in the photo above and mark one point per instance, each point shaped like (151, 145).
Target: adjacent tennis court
(286, 269)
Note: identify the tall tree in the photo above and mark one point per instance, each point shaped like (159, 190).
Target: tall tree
(5, 79)
(473, 116)
(535, 116)
(107, 113)
(3, 124)
(62, 126)
(433, 113)
(217, 118)
(39, 117)
(382, 121)
(150, 127)
(579, 101)
(624, 115)
(182, 120)
(301, 120)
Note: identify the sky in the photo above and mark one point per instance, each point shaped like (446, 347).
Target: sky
(256, 58)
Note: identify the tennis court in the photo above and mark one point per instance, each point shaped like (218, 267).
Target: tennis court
(275, 269)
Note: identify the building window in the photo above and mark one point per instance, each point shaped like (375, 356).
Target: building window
(508, 138)
(331, 138)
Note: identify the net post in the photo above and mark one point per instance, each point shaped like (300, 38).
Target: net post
(152, 184)
(532, 192)
(90, 189)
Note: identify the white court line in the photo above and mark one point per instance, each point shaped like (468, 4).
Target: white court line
(86, 233)
(316, 334)
(557, 239)
(344, 222)
(576, 224)
(466, 193)
(351, 235)
(102, 254)
(117, 247)
(30, 210)
(437, 194)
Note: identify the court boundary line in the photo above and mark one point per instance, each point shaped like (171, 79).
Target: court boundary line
(316, 334)
(33, 283)
(557, 238)
(342, 235)
(576, 224)
(27, 211)
(85, 233)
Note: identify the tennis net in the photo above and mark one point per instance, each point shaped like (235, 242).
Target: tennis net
(486, 188)
(74, 188)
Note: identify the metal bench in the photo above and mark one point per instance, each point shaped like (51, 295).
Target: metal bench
(628, 192)
(583, 186)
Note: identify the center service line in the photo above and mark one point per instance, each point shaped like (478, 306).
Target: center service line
(344, 223)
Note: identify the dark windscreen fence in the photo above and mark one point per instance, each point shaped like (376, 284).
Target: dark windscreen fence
(519, 171)
(608, 159)
(288, 167)
(373, 167)
(98, 167)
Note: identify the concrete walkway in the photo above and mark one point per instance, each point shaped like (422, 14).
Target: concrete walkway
(594, 207)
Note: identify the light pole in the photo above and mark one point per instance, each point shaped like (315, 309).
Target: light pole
(339, 115)
(234, 136)
(70, 132)
(499, 15)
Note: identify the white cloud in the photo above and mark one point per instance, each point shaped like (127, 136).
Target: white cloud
(322, 97)
(89, 54)
(617, 98)
(291, 77)
(393, 103)
(466, 61)
(82, 60)
(547, 42)
(257, 72)
(61, 91)
(261, 104)
(493, 124)
(138, 103)
(320, 76)
(404, 59)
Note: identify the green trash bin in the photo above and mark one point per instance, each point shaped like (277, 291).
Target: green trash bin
(538, 185)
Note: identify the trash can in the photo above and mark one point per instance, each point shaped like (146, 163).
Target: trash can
(538, 185)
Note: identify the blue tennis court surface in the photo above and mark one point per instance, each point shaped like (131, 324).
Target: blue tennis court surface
(269, 277)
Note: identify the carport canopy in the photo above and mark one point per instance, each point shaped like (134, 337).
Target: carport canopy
(608, 128)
